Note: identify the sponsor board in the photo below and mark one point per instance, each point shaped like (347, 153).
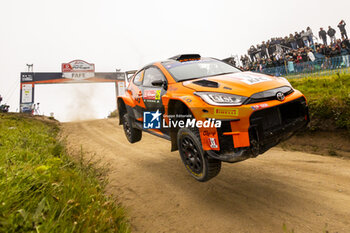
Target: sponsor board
(121, 88)
(78, 66)
(151, 94)
(26, 77)
(78, 70)
(226, 111)
(78, 75)
(27, 93)
(158, 94)
(251, 79)
(260, 106)
(208, 133)
(212, 143)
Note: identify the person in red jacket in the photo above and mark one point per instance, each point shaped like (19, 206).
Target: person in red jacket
(297, 61)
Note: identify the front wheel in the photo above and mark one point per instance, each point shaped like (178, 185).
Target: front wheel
(196, 161)
(132, 134)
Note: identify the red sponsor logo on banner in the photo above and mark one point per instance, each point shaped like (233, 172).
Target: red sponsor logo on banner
(78, 66)
(66, 67)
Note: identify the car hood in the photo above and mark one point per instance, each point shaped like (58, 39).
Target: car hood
(242, 83)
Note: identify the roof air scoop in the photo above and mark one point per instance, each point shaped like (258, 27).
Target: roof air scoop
(186, 57)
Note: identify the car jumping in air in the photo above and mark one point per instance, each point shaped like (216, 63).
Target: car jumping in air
(210, 111)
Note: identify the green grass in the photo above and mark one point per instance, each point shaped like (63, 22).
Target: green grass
(320, 73)
(329, 101)
(113, 114)
(43, 190)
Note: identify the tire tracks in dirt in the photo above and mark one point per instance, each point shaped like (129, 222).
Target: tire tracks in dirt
(301, 190)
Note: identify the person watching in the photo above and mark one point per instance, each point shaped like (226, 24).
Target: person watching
(345, 55)
(331, 33)
(342, 29)
(305, 37)
(322, 34)
(310, 35)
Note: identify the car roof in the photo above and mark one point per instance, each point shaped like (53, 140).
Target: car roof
(179, 59)
(171, 61)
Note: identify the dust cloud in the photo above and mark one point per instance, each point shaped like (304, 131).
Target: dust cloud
(76, 102)
(81, 107)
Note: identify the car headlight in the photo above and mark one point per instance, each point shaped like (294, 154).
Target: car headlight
(221, 99)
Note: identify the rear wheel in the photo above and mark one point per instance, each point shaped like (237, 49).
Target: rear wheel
(132, 134)
(196, 161)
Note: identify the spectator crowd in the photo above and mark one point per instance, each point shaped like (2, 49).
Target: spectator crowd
(297, 48)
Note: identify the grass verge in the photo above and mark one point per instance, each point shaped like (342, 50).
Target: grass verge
(329, 101)
(113, 114)
(43, 190)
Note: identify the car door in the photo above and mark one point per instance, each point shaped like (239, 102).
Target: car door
(135, 90)
(153, 88)
(152, 93)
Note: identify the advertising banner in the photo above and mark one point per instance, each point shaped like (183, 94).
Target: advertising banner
(78, 70)
(121, 88)
(27, 93)
(27, 77)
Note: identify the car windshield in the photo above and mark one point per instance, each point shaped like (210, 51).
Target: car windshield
(182, 71)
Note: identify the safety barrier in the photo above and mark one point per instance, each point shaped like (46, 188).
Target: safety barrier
(319, 67)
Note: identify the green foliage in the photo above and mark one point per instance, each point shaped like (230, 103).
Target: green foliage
(286, 230)
(42, 190)
(329, 100)
(113, 114)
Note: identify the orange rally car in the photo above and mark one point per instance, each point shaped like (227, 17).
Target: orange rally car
(210, 111)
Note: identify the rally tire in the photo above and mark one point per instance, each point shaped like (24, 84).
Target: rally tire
(197, 163)
(132, 134)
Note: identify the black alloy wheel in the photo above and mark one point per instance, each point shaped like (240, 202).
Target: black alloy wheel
(197, 163)
(132, 134)
(192, 155)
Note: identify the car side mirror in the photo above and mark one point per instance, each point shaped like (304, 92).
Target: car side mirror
(158, 83)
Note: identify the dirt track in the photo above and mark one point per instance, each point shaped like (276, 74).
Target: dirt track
(308, 193)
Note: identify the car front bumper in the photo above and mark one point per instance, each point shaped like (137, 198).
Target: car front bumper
(267, 128)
